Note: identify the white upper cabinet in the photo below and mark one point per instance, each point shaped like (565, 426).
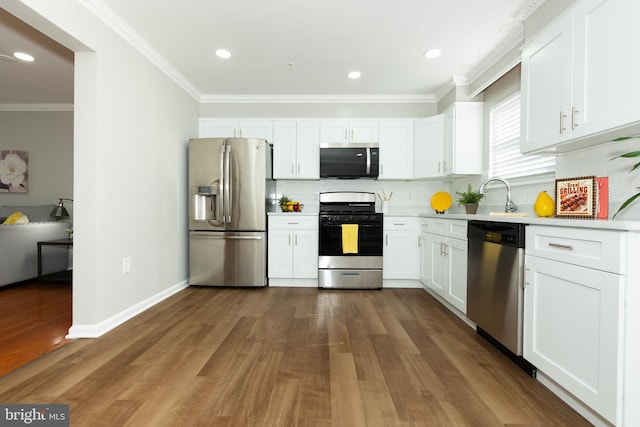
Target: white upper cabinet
(463, 138)
(428, 160)
(579, 77)
(396, 149)
(450, 143)
(234, 128)
(343, 131)
(296, 145)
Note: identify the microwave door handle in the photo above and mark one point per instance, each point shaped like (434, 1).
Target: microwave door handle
(368, 171)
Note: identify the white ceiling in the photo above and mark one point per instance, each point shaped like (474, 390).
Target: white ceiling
(383, 39)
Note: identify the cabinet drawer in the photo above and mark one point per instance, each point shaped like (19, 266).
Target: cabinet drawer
(449, 227)
(293, 221)
(399, 223)
(598, 249)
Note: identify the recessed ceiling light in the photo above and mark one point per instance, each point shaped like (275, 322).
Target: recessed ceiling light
(354, 75)
(432, 53)
(223, 53)
(24, 56)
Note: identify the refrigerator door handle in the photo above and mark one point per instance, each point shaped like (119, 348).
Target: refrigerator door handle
(209, 236)
(227, 183)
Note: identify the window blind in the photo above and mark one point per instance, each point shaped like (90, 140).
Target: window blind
(505, 159)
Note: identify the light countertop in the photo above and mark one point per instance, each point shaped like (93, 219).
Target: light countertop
(529, 219)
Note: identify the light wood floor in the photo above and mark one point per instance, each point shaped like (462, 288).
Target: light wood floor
(289, 357)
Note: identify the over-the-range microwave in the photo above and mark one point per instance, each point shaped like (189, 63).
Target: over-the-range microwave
(349, 160)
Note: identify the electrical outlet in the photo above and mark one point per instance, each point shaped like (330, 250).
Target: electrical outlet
(126, 265)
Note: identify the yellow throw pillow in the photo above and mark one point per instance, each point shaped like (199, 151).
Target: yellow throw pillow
(16, 218)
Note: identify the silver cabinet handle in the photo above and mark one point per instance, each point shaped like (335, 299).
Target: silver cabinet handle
(386, 240)
(574, 122)
(562, 117)
(295, 239)
(561, 246)
(298, 168)
(419, 241)
(292, 171)
(289, 239)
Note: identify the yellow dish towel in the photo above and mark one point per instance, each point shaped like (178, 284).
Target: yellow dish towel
(349, 238)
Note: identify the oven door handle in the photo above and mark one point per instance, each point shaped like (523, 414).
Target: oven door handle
(368, 171)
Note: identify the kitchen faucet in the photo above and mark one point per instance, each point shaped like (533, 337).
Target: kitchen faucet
(509, 206)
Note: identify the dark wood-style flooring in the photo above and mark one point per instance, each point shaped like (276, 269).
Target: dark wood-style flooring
(289, 357)
(35, 319)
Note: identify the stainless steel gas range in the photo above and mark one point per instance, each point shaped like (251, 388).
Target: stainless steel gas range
(350, 241)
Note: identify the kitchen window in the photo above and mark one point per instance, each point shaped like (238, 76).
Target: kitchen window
(505, 159)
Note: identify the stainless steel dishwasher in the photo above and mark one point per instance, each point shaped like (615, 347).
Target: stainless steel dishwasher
(495, 280)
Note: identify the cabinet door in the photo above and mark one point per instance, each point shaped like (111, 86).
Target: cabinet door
(438, 267)
(363, 131)
(573, 330)
(262, 129)
(546, 87)
(429, 147)
(396, 149)
(215, 128)
(334, 131)
(284, 149)
(463, 146)
(308, 149)
(280, 254)
(305, 254)
(401, 255)
(425, 259)
(456, 292)
(607, 88)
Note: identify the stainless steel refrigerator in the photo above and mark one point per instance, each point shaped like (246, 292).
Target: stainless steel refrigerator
(230, 191)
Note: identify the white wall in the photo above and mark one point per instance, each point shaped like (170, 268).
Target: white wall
(48, 137)
(132, 124)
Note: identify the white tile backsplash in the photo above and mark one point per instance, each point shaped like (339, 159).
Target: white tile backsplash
(416, 195)
(598, 161)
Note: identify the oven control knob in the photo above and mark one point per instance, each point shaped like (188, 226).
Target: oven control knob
(350, 218)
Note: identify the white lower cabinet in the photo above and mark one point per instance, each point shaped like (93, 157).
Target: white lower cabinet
(293, 247)
(401, 251)
(443, 252)
(573, 323)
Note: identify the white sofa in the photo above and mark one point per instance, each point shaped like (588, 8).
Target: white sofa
(18, 244)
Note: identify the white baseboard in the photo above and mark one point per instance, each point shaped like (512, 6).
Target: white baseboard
(293, 283)
(401, 284)
(572, 401)
(99, 329)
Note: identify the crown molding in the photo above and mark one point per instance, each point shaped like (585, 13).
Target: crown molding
(516, 41)
(113, 21)
(527, 8)
(36, 107)
(317, 99)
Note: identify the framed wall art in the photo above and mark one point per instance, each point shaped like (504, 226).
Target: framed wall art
(575, 197)
(14, 171)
